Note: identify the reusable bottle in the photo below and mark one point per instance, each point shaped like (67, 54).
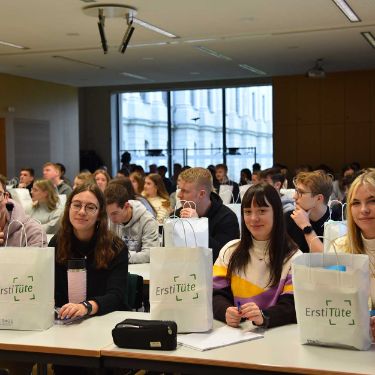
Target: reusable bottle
(77, 280)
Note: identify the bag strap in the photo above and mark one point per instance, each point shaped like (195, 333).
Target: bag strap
(23, 231)
(182, 221)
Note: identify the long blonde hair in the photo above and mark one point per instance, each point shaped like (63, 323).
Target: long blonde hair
(52, 196)
(354, 238)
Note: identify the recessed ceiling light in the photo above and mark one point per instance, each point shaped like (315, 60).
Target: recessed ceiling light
(252, 69)
(194, 73)
(72, 34)
(369, 37)
(153, 28)
(347, 10)
(213, 53)
(200, 40)
(148, 58)
(8, 44)
(78, 62)
(130, 75)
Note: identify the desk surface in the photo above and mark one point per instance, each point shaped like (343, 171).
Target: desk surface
(279, 352)
(142, 269)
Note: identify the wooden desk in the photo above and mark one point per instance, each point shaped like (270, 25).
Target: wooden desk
(141, 269)
(279, 352)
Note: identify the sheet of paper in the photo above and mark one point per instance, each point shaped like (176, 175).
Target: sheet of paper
(217, 338)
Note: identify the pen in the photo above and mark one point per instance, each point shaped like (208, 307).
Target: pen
(239, 306)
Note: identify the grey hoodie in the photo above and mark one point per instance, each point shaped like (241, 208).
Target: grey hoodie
(140, 233)
(288, 203)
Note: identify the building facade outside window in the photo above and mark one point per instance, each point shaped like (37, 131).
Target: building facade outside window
(197, 127)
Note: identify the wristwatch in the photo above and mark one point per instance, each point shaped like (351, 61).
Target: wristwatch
(88, 306)
(308, 229)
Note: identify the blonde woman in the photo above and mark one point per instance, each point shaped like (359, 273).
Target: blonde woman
(83, 178)
(154, 190)
(46, 206)
(360, 215)
(101, 178)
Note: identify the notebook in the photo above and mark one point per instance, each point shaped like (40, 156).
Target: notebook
(217, 338)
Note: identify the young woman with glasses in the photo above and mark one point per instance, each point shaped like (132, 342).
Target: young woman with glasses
(84, 234)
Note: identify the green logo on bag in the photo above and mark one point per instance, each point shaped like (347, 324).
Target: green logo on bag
(180, 289)
(20, 291)
(333, 312)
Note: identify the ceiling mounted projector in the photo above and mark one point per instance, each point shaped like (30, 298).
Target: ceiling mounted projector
(317, 70)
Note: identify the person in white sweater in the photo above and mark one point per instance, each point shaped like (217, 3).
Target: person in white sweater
(360, 238)
(46, 206)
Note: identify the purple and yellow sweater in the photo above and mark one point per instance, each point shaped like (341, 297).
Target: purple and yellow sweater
(250, 285)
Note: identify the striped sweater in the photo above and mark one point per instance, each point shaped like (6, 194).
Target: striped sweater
(250, 285)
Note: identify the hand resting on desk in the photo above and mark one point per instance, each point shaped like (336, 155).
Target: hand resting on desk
(72, 310)
(249, 311)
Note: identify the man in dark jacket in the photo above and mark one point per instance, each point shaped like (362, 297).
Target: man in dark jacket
(196, 186)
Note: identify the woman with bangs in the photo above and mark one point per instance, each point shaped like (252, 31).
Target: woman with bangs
(360, 215)
(252, 276)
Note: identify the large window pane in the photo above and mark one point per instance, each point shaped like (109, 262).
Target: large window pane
(144, 127)
(197, 127)
(248, 128)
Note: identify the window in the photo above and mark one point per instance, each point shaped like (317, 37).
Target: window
(197, 127)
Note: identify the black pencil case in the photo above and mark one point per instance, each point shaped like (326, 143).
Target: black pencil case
(145, 334)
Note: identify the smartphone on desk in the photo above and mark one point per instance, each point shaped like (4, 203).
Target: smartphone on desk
(66, 321)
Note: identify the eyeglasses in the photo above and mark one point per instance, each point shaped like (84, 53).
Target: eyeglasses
(89, 208)
(301, 192)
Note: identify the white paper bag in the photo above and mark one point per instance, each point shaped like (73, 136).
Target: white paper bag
(186, 232)
(332, 231)
(236, 208)
(181, 287)
(27, 288)
(243, 190)
(331, 305)
(21, 196)
(226, 193)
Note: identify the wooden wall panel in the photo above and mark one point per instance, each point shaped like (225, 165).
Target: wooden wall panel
(357, 98)
(286, 146)
(285, 105)
(335, 119)
(3, 153)
(358, 143)
(333, 145)
(333, 100)
(308, 144)
(308, 101)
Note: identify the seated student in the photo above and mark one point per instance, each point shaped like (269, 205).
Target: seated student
(252, 275)
(360, 215)
(45, 207)
(306, 221)
(196, 186)
(245, 177)
(83, 178)
(154, 190)
(84, 234)
(12, 221)
(102, 178)
(52, 172)
(26, 178)
(131, 222)
(221, 172)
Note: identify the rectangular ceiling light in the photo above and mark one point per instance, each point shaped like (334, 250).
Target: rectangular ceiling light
(2, 42)
(213, 53)
(78, 61)
(252, 69)
(347, 10)
(369, 37)
(153, 28)
(130, 75)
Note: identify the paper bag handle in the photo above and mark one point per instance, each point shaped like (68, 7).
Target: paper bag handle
(23, 231)
(183, 227)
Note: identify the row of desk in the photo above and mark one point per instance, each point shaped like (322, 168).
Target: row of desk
(89, 343)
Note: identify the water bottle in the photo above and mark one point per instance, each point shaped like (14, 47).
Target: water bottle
(77, 280)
